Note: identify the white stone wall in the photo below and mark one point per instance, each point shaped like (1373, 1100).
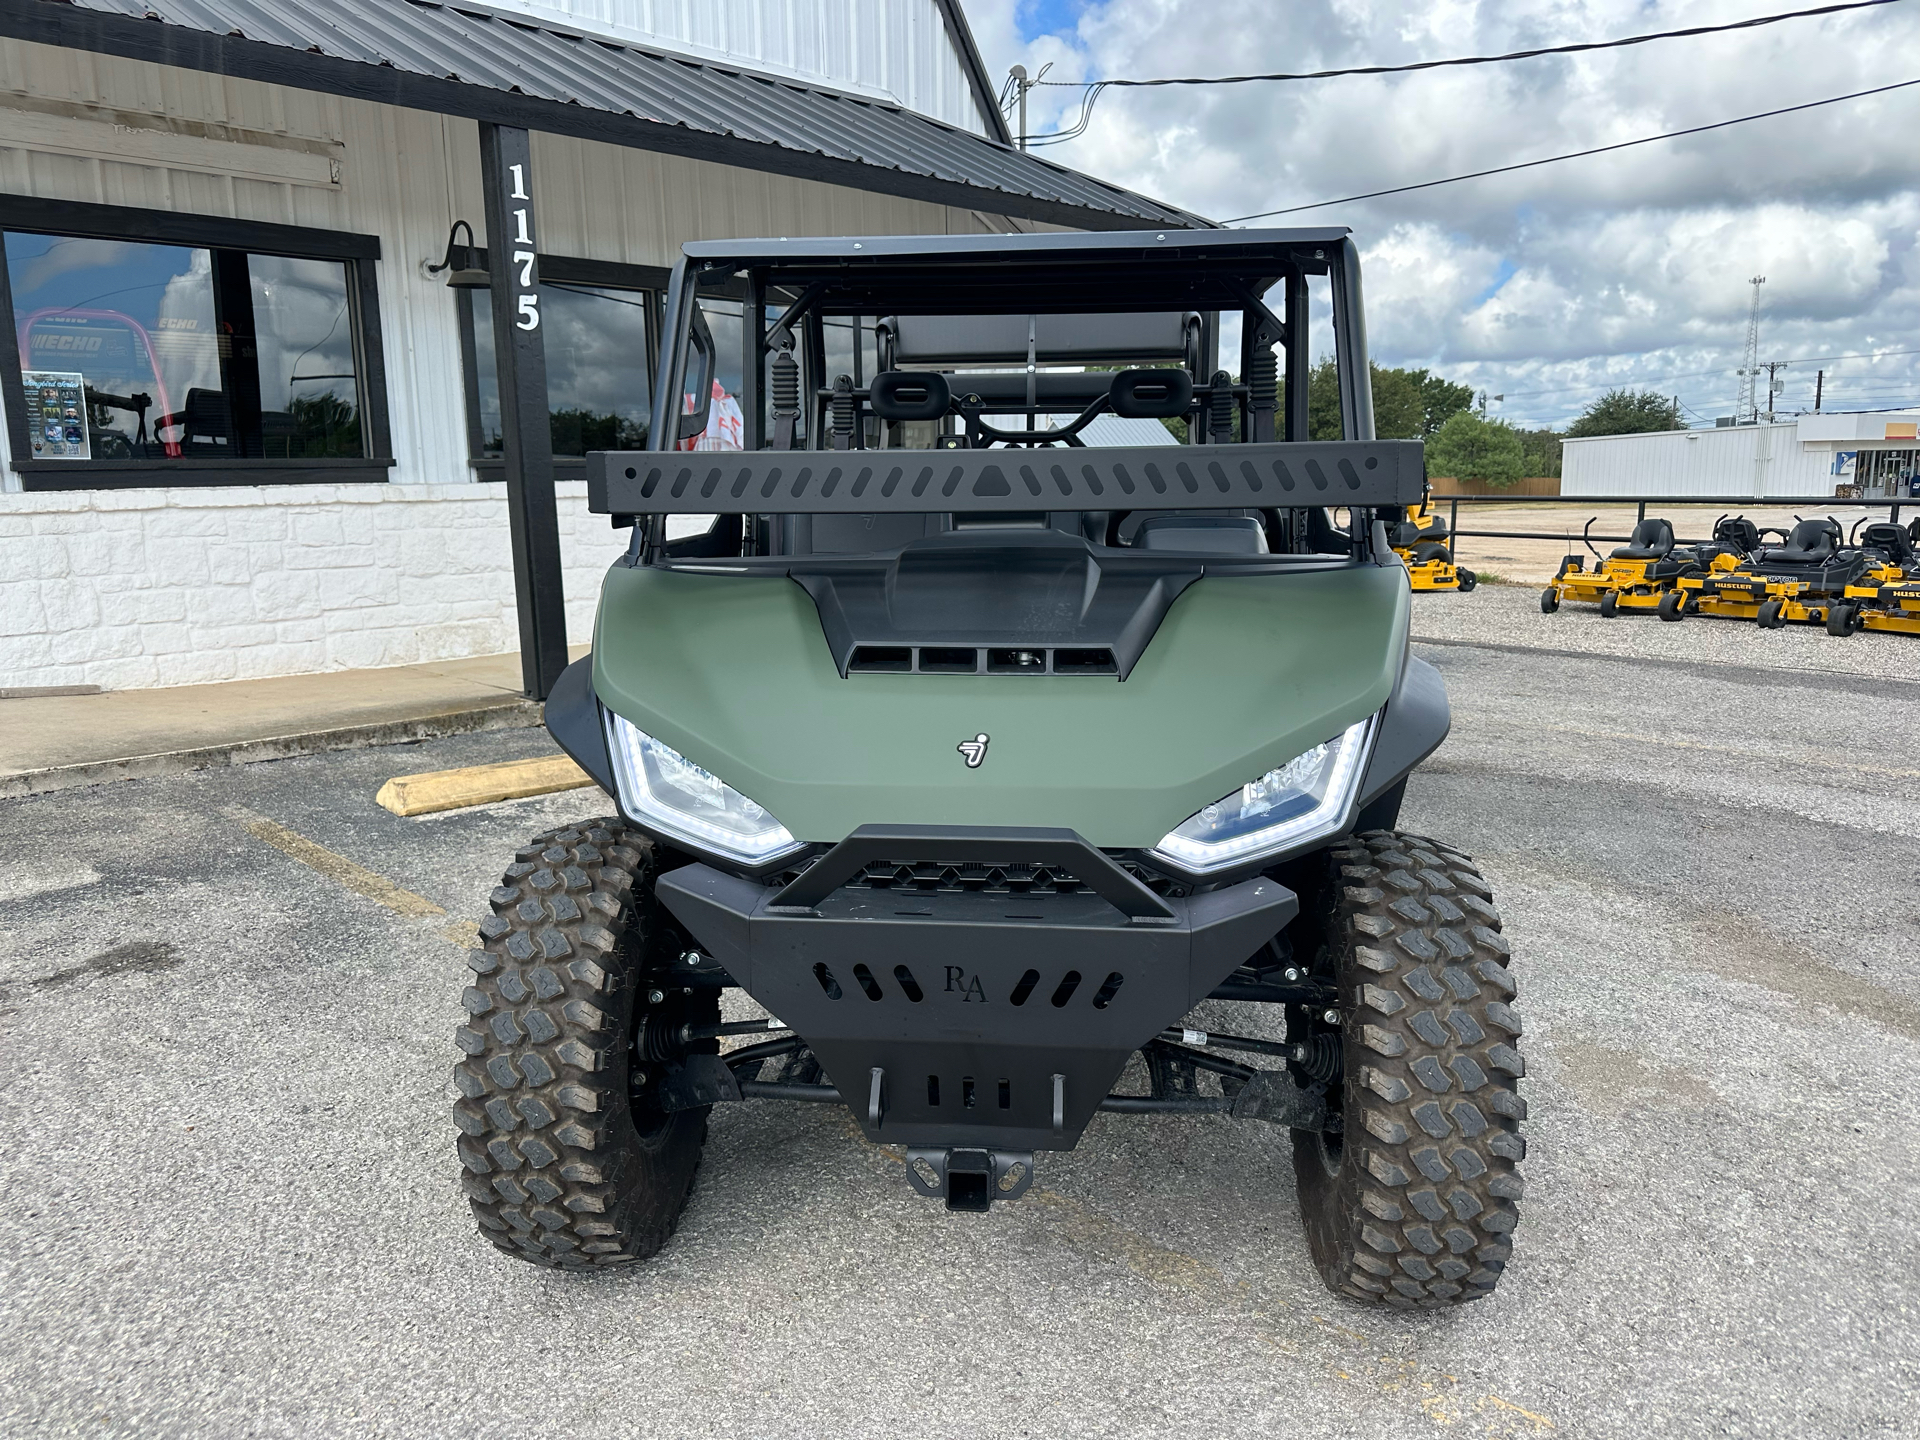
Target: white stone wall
(133, 588)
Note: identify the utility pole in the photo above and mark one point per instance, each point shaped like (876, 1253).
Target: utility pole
(1819, 384)
(1748, 405)
(1021, 85)
(1774, 387)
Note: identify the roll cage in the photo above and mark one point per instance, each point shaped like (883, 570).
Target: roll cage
(984, 322)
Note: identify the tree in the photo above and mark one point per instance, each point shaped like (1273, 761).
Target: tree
(1627, 412)
(1444, 400)
(1469, 447)
(1407, 404)
(1541, 452)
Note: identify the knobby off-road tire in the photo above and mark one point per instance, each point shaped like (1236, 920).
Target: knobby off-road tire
(562, 1166)
(1413, 1205)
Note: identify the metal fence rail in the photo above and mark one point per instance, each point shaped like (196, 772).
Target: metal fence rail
(1733, 504)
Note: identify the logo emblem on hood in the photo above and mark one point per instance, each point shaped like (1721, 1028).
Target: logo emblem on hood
(975, 750)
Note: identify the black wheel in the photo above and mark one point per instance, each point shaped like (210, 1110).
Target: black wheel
(1673, 605)
(1412, 1204)
(1609, 604)
(1549, 600)
(1769, 616)
(568, 1159)
(1843, 620)
(1467, 580)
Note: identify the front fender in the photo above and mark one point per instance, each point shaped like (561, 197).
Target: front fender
(1417, 720)
(573, 719)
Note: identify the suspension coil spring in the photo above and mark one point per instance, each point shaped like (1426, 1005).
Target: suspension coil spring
(1321, 1065)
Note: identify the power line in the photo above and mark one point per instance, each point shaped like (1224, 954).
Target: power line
(1574, 155)
(1093, 88)
(1625, 382)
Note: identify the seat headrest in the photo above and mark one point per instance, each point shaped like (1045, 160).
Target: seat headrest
(1652, 534)
(1889, 539)
(1151, 394)
(1814, 535)
(909, 395)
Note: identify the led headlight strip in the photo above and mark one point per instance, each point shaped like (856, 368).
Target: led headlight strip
(1290, 805)
(663, 789)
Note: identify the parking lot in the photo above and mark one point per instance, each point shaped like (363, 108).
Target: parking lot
(229, 1187)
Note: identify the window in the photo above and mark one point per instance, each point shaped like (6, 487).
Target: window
(599, 342)
(138, 354)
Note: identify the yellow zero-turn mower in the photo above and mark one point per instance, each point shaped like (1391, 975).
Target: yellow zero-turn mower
(1799, 581)
(1640, 575)
(1419, 539)
(1887, 594)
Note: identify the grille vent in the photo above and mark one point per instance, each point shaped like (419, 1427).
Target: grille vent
(982, 660)
(929, 876)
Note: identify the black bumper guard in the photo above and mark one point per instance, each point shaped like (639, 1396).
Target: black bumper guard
(992, 1023)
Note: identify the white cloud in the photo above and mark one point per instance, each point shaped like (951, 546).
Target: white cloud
(1545, 284)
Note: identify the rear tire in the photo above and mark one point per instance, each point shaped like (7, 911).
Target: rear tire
(1609, 604)
(1549, 600)
(1413, 1205)
(565, 1167)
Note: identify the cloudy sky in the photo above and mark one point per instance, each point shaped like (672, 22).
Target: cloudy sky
(1552, 284)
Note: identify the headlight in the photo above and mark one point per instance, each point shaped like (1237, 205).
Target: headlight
(676, 797)
(1300, 801)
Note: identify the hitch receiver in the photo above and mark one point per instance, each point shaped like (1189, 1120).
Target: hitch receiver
(970, 1180)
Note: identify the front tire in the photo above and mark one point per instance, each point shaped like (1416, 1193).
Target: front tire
(1843, 620)
(1467, 581)
(568, 1162)
(1549, 600)
(1609, 604)
(1673, 605)
(1769, 616)
(1413, 1204)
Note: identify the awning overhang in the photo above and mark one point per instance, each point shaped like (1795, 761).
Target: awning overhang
(482, 65)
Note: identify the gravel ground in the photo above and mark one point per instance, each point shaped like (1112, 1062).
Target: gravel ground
(226, 1167)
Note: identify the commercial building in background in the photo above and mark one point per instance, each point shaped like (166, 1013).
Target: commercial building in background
(249, 427)
(1874, 455)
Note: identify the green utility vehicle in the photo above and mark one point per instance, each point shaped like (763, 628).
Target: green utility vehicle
(979, 756)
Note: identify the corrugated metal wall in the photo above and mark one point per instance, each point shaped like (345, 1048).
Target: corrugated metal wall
(404, 176)
(895, 48)
(1733, 460)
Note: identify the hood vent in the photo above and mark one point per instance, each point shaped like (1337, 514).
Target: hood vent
(982, 660)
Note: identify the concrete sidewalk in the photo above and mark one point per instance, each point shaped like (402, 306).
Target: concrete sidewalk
(55, 741)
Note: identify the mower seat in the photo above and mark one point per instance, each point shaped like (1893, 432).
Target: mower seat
(1651, 540)
(1405, 536)
(1811, 542)
(1891, 541)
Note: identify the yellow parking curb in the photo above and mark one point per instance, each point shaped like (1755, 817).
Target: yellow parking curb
(480, 785)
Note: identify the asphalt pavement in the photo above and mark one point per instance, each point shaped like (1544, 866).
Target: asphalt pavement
(229, 1195)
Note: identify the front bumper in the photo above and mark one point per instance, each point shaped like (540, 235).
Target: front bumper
(951, 1018)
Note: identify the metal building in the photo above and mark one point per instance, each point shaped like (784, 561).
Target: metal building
(1810, 455)
(258, 402)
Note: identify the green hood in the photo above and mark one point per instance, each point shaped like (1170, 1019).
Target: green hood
(1244, 673)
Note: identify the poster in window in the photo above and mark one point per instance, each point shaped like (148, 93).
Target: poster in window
(57, 414)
